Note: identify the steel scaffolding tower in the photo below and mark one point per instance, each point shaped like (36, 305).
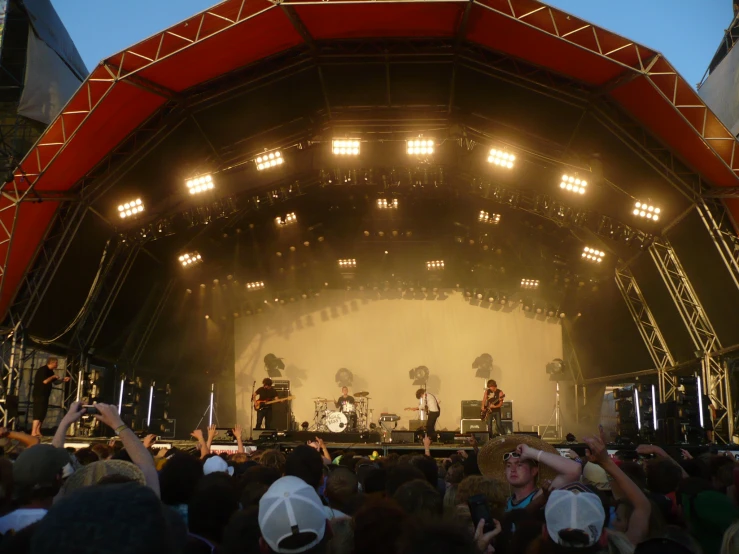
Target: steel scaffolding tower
(648, 329)
(701, 332)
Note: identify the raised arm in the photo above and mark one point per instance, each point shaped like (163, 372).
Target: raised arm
(134, 447)
(211, 435)
(197, 434)
(644, 449)
(567, 470)
(50, 379)
(22, 438)
(72, 416)
(239, 441)
(639, 520)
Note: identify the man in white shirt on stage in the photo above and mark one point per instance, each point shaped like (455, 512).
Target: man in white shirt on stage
(430, 405)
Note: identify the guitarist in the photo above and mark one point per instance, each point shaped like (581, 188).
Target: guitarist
(265, 393)
(492, 401)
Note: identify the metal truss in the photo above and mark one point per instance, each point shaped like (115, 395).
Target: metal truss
(12, 351)
(144, 326)
(701, 333)
(721, 227)
(572, 363)
(649, 331)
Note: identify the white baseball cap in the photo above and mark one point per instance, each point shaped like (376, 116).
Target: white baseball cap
(216, 464)
(291, 508)
(576, 511)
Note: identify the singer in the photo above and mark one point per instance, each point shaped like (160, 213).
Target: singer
(43, 382)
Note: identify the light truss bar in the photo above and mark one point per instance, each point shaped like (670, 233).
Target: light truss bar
(718, 222)
(701, 332)
(649, 331)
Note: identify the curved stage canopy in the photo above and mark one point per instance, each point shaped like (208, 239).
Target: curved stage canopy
(134, 94)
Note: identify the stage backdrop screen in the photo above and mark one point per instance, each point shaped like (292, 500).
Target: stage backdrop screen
(380, 340)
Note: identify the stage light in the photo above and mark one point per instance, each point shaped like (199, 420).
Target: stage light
(269, 160)
(648, 211)
(255, 285)
(190, 258)
(700, 399)
(348, 263)
(573, 184)
(200, 184)
(207, 316)
(130, 208)
(529, 283)
(344, 147)
(593, 255)
(435, 265)
(385, 204)
(420, 147)
(637, 407)
(503, 159)
(151, 398)
(288, 219)
(485, 217)
(654, 409)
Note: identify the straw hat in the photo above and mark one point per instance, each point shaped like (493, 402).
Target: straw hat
(490, 457)
(92, 473)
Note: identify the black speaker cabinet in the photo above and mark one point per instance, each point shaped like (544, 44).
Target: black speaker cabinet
(506, 427)
(474, 426)
(506, 410)
(403, 436)
(470, 409)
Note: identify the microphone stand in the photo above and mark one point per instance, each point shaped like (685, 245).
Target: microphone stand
(251, 426)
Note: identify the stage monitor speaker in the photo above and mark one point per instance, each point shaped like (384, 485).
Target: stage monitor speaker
(506, 410)
(474, 426)
(403, 436)
(506, 427)
(415, 424)
(446, 437)
(470, 409)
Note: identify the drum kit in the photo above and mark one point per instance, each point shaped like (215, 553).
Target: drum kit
(351, 417)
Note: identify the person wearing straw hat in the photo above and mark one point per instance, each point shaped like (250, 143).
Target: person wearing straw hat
(523, 461)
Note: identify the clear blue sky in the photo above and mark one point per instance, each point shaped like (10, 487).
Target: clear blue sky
(686, 31)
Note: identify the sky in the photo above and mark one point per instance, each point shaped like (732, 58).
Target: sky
(687, 32)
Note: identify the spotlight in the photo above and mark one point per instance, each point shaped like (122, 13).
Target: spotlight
(485, 217)
(200, 184)
(556, 369)
(348, 263)
(269, 160)
(529, 283)
(190, 258)
(343, 147)
(288, 219)
(385, 204)
(419, 147)
(503, 159)
(435, 265)
(648, 211)
(573, 184)
(255, 285)
(593, 255)
(207, 316)
(130, 208)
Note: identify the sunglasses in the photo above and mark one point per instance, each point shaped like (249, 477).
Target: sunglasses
(508, 455)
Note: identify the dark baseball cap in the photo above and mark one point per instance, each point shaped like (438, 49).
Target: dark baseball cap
(39, 466)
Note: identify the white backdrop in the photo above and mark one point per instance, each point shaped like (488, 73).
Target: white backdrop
(380, 340)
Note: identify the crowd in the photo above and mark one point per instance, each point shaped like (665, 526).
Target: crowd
(515, 494)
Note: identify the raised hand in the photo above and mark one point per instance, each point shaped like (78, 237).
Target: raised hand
(211, 432)
(149, 440)
(426, 441)
(76, 411)
(109, 415)
(484, 540)
(596, 451)
(237, 431)
(198, 434)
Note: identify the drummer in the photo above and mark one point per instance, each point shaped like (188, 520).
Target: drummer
(347, 405)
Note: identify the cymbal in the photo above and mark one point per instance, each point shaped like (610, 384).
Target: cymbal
(321, 399)
(361, 394)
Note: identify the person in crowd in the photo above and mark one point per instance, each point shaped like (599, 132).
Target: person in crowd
(730, 542)
(516, 459)
(177, 481)
(213, 502)
(242, 534)
(292, 518)
(377, 525)
(307, 464)
(43, 382)
(37, 479)
(275, 459)
(419, 498)
(342, 489)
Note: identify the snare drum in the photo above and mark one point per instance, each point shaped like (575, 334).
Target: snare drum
(336, 422)
(348, 408)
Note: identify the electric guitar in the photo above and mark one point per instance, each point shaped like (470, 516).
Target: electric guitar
(490, 407)
(259, 404)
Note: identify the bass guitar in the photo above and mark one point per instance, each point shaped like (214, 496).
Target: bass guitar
(259, 404)
(490, 407)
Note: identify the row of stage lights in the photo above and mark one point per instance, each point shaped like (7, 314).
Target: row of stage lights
(414, 147)
(527, 304)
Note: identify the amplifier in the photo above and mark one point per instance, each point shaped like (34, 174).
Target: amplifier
(403, 436)
(473, 426)
(506, 410)
(470, 409)
(506, 427)
(415, 424)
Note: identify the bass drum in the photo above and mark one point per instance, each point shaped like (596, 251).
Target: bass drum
(336, 422)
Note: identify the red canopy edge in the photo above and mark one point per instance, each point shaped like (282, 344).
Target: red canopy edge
(236, 33)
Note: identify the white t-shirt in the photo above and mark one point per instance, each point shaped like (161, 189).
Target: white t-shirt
(430, 400)
(20, 519)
